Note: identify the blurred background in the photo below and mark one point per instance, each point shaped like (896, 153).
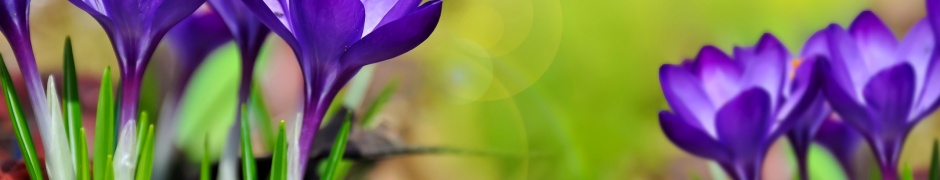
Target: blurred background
(521, 89)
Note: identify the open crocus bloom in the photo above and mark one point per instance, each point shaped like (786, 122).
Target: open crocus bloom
(881, 87)
(731, 110)
(135, 27)
(807, 122)
(193, 39)
(333, 39)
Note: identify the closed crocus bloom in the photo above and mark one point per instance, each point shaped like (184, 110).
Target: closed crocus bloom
(731, 110)
(135, 27)
(194, 38)
(807, 122)
(881, 87)
(333, 39)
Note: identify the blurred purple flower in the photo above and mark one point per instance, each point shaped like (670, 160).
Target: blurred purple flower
(881, 87)
(731, 110)
(807, 122)
(135, 28)
(842, 141)
(15, 27)
(194, 38)
(333, 39)
(249, 34)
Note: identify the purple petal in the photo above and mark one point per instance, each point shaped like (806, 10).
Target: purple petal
(840, 139)
(685, 95)
(765, 65)
(817, 45)
(851, 110)
(249, 35)
(195, 37)
(169, 13)
(395, 38)
(743, 123)
(274, 14)
(377, 18)
(917, 49)
(875, 41)
(325, 28)
(719, 74)
(928, 100)
(690, 138)
(805, 104)
(890, 95)
(846, 67)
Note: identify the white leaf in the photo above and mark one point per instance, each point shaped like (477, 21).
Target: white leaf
(293, 150)
(59, 160)
(125, 156)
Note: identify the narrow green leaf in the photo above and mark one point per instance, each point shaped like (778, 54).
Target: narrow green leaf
(339, 147)
(104, 128)
(82, 156)
(279, 159)
(263, 116)
(72, 105)
(368, 120)
(20, 126)
(145, 164)
(248, 160)
(908, 173)
(205, 171)
(935, 162)
(141, 133)
(109, 172)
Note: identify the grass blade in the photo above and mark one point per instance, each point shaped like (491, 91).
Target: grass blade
(72, 106)
(109, 172)
(368, 120)
(908, 174)
(145, 164)
(204, 173)
(248, 160)
(263, 116)
(935, 162)
(339, 147)
(82, 157)
(104, 128)
(20, 126)
(279, 160)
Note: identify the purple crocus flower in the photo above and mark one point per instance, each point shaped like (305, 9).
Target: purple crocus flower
(135, 27)
(333, 39)
(14, 23)
(881, 87)
(194, 38)
(731, 110)
(808, 121)
(842, 141)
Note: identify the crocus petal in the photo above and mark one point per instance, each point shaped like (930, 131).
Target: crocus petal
(845, 65)
(875, 41)
(842, 141)
(851, 111)
(375, 10)
(195, 37)
(326, 27)
(125, 156)
(917, 49)
(402, 8)
(58, 155)
(817, 45)
(744, 122)
(805, 105)
(395, 38)
(928, 100)
(719, 75)
(764, 65)
(172, 12)
(890, 95)
(688, 100)
(274, 14)
(690, 138)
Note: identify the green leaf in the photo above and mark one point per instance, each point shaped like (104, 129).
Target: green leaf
(279, 159)
(104, 128)
(20, 126)
(109, 172)
(935, 162)
(248, 160)
(72, 105)
(908, 173)
(378, 103)
(205, 171)
(256, 102)
(82, 157)
(339, 147)
(141, 134)
(145, 164)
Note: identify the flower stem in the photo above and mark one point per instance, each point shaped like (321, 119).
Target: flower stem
(130, 95)
(888, 152)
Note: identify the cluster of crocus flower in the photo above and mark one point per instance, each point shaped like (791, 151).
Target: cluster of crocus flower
(731, 109)
(332, 40)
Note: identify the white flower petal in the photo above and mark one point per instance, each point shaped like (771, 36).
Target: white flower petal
(59, 161)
